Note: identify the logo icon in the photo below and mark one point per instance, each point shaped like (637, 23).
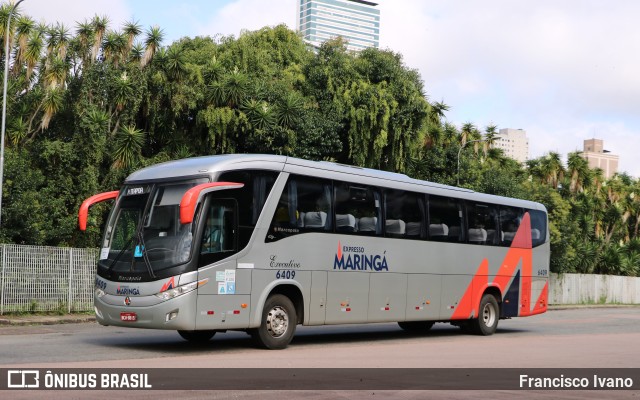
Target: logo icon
(22, 379)
(127, 301)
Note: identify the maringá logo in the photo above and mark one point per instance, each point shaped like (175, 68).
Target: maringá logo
(356, 259)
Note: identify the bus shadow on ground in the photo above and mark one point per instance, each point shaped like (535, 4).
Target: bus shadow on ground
(171, 342)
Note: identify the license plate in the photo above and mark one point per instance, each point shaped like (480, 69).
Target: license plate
(128, 316)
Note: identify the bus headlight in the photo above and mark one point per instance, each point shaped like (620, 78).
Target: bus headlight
(99, 293)
(180, 290)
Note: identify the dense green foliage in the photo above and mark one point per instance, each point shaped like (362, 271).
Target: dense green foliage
(86, 107)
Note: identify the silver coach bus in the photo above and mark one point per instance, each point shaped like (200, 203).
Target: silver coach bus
(262, 243)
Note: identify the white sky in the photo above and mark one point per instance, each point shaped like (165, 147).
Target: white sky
(564, 71)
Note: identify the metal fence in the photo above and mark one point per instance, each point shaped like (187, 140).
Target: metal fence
(39, 278)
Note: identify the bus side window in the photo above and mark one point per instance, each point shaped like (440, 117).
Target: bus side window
(404, 214)
(538, 227)
(251, 197)
(510, 218)
(482, 223)
(304, 206)
(445, 219)
(358, 209)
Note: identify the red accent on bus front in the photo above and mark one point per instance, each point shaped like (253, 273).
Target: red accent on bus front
(84, 208)
(190, 198)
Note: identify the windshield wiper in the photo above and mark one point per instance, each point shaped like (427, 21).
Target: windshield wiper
(143, 250)
(120, 253)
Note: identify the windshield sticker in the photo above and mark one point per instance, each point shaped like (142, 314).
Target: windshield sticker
(104, 253)
(138, 252)
(220, 276)
(355, 258)
(222, 288)
(231, 288)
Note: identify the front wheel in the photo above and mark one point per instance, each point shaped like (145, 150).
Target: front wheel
(278, 324)
(197, 336)
(489, 314)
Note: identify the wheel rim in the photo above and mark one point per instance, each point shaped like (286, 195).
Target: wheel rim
(277, 321)
(488, 315)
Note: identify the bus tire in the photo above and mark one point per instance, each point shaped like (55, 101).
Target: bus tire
(416, 326)
(278, 324)
(197, 336)
(488, 316)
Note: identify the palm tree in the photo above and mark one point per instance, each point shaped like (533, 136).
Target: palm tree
(490, 137)
(84, 34)
(552, 169)
(127, 146)
(136, 53)
(175, 63)
(578, 169)
(24, 28)
(235, 87)
(99, 28)
(113, 47)
(62, 34)
(289, 110)
(33, 53)
(51, 104)
(436, 112)
(123, 91)
(259, 114)
(131, 30)
(55, 73)
(155, 35)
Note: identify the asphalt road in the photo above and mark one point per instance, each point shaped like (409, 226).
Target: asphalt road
(574, 338)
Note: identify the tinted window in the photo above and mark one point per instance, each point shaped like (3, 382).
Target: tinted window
(357, 209)
(482, 223)
(510, 218)
(251, 197)
(538, 227)
(445, 219)
(304, 206)
(404, 214)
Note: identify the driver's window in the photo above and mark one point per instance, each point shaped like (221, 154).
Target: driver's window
(219, 239)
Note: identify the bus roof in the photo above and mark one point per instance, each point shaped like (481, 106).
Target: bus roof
(211, 165)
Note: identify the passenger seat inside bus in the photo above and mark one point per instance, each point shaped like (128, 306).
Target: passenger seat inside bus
(345, 223)
(315, 219)
(438, 231)
(367, 225)
(396, 228)
(477, 236)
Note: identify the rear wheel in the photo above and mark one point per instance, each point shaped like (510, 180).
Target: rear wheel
(197, 336)
(278, 324)
(489, 314)
(416, 326)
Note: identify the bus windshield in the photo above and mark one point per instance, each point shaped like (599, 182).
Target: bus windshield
(144, 233)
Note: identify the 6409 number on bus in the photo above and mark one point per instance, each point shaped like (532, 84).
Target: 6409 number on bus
(286, 274)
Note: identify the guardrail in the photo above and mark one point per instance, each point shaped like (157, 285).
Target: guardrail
(61, 279)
